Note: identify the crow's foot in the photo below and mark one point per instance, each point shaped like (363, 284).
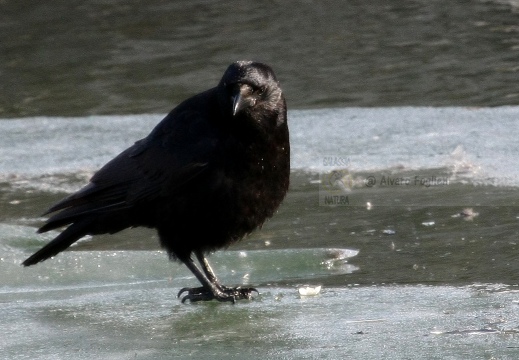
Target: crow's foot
(222, 294)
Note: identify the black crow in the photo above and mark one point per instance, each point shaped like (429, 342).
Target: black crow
(215, 168)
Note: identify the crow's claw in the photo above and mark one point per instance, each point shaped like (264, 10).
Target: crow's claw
(198, 290)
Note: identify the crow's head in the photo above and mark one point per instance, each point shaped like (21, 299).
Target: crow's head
(251, 89)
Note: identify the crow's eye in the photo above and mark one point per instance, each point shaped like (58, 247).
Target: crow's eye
(260, 91)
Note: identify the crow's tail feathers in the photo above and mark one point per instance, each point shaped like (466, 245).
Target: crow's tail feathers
(70, 235)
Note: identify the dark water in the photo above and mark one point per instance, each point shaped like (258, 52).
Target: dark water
(408, 271)
(120, 57)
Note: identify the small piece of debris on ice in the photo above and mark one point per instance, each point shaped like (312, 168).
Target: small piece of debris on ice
(467, 214)
(309, 290)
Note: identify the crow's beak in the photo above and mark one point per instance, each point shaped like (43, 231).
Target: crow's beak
(240, 99)
(237, 104)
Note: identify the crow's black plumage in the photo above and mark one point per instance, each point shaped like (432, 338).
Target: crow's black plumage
(215, 168)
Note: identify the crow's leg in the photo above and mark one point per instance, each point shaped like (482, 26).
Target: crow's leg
(211, 288)
(237, 292)
(208, 291)
(208, 271)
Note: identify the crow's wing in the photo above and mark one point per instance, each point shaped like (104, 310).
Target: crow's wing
(178, 150)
